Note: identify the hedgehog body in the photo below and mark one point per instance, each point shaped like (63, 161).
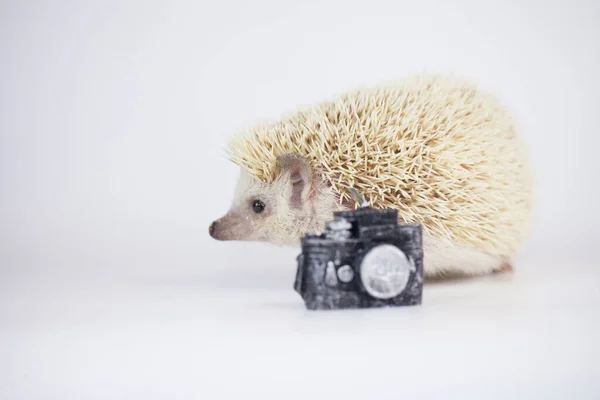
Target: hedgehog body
(438, 149)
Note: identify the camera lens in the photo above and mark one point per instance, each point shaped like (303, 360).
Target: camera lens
(384, 272)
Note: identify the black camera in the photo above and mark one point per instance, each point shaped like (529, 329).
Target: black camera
(364, 259)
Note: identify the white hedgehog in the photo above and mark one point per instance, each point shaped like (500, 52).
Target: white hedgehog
(443, 153)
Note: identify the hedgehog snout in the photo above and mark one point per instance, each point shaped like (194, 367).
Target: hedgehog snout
(211, 228)
(228, 227)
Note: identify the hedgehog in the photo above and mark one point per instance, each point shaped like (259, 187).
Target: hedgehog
(439, 149)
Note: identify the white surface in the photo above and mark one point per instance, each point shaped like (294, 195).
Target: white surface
(112, 119)
(233, 332)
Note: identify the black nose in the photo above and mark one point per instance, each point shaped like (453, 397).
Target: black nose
(211, 228)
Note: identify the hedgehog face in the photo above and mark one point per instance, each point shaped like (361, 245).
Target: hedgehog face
(278, 212)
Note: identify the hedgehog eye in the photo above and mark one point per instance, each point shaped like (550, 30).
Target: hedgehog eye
(258, 206)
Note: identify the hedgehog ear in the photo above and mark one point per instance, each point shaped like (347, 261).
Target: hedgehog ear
(300, 175)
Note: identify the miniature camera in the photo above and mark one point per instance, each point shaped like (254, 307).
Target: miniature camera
(364, 259)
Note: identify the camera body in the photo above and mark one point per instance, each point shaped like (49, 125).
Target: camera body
(364, 259)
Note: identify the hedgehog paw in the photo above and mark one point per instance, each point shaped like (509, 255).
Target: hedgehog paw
(505, 268)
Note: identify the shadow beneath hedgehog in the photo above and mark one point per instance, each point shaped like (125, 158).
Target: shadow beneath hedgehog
(457, 277)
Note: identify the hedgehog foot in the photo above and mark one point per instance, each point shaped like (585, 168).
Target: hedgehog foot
(505, 268)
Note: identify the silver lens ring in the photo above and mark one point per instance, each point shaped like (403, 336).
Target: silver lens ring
(385, 271)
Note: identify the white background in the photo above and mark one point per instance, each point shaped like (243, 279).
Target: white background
(113, 119)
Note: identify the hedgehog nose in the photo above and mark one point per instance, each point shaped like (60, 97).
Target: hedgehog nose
(211, 228)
